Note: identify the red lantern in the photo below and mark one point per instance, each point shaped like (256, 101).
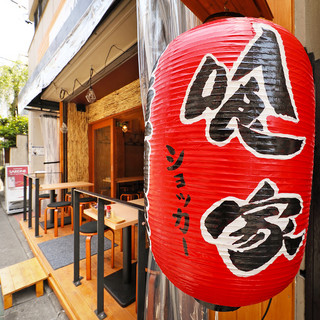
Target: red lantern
(229, 158)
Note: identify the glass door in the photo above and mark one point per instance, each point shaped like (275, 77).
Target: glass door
(101, 138)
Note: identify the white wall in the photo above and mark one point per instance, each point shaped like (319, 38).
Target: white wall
(307, 25)
(19, 154)
(36, 143)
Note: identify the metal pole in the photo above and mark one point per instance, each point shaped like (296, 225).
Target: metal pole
(52, 199)
(142, 263)
(36, 231)
(127, 255)
(24, 197)
(100, 267)
(76, 225)
(30, 204)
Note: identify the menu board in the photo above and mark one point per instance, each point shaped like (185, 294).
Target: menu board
(14, 187)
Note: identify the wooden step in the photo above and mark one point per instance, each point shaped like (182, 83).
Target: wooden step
(20, 276)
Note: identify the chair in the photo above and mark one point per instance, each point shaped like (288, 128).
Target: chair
(56, 206)
(83, 203)
(89, 229)
(128, 197)
(68, 196)
(44, 196)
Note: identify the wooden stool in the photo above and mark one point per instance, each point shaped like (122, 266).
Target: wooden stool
(56, 206)
(44, 196)
(20, 276)
(83, 203)
(68, 196)
(129, 196)
(89, 229)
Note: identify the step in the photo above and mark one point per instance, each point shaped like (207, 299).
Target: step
(20, 276)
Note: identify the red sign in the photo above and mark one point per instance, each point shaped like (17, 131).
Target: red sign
(229, 159)
(15, 175)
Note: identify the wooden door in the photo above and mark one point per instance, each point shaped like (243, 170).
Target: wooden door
(102, 157)
(281, 308)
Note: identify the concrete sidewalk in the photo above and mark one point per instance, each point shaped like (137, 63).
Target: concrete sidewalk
(13, 249)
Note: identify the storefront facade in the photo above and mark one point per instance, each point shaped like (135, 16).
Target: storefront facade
(78, 46)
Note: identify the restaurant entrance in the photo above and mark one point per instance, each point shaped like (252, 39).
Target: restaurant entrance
(101, 135)
(116, 153)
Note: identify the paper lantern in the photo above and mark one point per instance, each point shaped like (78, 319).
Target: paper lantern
(229, 158)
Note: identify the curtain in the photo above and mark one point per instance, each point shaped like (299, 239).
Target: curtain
(159, 22)
(49, 128)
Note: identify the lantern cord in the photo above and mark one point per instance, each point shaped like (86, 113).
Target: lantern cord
(265, 314)
(225, 6)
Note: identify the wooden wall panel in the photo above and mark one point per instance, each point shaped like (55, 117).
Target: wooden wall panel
(281, 308)
(118, 101)
(283, 13)
(78, 148)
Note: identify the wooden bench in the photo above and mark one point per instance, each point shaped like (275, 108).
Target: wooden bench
(20, 276)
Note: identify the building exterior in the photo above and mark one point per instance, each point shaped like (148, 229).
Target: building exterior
(84, 44)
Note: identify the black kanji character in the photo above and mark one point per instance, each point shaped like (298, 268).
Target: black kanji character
(178, 162)
(179, 216)
(180, 180)
(181, 197)
(242, 103)
(257, 230)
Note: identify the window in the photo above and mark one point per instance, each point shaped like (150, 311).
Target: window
(38, 12)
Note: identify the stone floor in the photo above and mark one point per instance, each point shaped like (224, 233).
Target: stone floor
(13, 249)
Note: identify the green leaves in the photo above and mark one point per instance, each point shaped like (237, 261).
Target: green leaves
(12, 79)
(9, 128)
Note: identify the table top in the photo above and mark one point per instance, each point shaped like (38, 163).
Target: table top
(130, 215)
(125, 179)
(65, 185)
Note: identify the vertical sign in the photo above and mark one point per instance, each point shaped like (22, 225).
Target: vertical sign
(14, 187)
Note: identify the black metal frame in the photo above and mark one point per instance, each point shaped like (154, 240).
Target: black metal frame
(27, 189)
(142, 254)
(25, 179)
(102, 200)
(312, 256)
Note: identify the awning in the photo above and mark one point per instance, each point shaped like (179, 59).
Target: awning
(72, 36)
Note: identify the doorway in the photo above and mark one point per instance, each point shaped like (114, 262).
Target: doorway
(116, 153)
(101, 158)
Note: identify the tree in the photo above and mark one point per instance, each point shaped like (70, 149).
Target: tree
(9, 128)
(12, 79)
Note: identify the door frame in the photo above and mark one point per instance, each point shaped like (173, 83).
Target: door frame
(98, 125)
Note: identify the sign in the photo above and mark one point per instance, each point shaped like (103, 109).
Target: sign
(228, 160)
(14, 187)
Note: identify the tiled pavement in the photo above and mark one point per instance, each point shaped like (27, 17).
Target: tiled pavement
(13, 249)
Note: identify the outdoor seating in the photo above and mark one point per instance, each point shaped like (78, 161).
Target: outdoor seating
(58, 206)
(43, 196)
(68, 196)
(89, 229)
(84, 202)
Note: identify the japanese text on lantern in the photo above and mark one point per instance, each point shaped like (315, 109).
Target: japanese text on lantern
(182, 218)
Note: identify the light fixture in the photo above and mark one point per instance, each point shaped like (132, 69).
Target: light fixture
(123, 126)
(64, 128)
(90, 96)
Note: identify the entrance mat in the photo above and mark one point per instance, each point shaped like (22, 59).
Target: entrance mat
(59, 251)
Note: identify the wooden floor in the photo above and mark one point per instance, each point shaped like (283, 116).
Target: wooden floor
(79, 302)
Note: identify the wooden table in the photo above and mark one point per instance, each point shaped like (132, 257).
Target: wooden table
(122, 283)
(60, 186)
